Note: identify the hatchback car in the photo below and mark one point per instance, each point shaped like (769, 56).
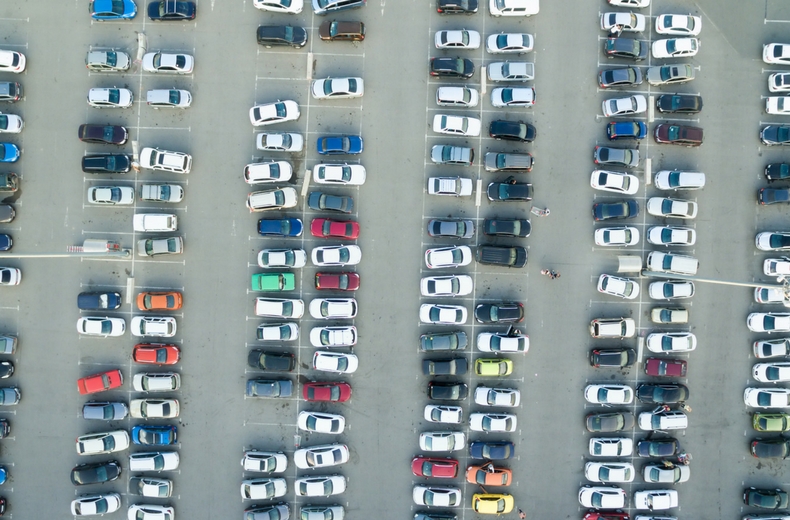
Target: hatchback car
(766, 498)
(766, 196)
(168, 63)
(339, 145)
(617, 286)
(337, 88)
(271, 361)
(669, 342)
(512, 131)
(680, 24)
(110, 97)
(279, 6)
(156, 353)
(668, 207)
(457, 97)
(95, 473)
(613, 357)
(616, 236)
(326, 392)
(279, 142)
(678, 134)
(437, 342)
(520, 228)
(333, 30)
(320, 201)
(337, 281)
(172, 10)
(625, 48)
(615, 210)
(452, 67)
(776, 53)
(451, 228)
(456, 6)
(621, 77)
(509, 190)
(616, 130)
(281, 227)
(513, 97)
(628, 157)
(321, 7)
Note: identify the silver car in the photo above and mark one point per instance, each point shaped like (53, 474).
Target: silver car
(104, 411)
(511, 71)
(670, 74)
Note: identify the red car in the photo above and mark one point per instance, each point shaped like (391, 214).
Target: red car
(617, 515)
(156, 354)
(436, 468)
(100, 382)
(335, 392)
(337, 281)
(326, 228)
(665, 367)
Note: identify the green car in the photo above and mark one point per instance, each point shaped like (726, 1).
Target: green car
(493, 367)
(771, 422)
(269, 282)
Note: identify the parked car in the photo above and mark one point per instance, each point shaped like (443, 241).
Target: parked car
(515, 256)
(510, 43)
(433, 342)
(337, 281)
(678, 134)
(615, 210)
(452, 67)
(457, 39)
(172, 11)
(96, 504)
(675, 48)
(617, 286)
(616, 182)
(620, 77)
(663, 342)
(329, 391)
(281, 35)
(95, 473)
(272, 113)
(168, 98)
(333, 30)
(679, 180)
(512, 131)
(103, 134)
(456, 6)
(616, 236)
(616, 130)
(281, 227)
(612, 357)
(168, 63)
(670, 74)
(320, 201)
(106, 163)
(626, 106)
(628, 48)
(520, 228)
(92, 384)
(340, 145)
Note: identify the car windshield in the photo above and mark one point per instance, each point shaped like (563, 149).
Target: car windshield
(117, 7)
(772, 373)
(280, 109)
(597, 500)
(171, 245)
(671, 46)
(764, 399)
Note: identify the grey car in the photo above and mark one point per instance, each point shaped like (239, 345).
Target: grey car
(498, 161)
(7, 213)
(451, 228)
(8, 344)
(273, 512)
(628, 157)
(447, 154)
(104, 411)
(269, 388)
(433, 342)
(670, 74)
(9, 395)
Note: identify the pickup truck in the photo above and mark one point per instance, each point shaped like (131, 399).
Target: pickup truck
(515, 256)
(92, 301)
(155, 222)
(161, 192)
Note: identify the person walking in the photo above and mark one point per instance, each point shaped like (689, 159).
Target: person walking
(521, 514)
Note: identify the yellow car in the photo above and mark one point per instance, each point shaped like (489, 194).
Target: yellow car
(492, 503)
(493, 367)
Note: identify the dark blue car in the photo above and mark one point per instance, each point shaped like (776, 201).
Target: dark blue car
(94, 301)
(9, 152)
(325, 202)
(626, 130)
(152, 435)
(171, 10)
(5, 242)
(491, 450)
(615, 210)
(340, 144)
(280, 227)
(112, 9)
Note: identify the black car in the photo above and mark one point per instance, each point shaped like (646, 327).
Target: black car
(496, 227)
(456, 6)
(323, 201)
(507, 256)
(770, 449)
(612, 357)
(5, 428)
(447, 391)
(626, 48)
(509, 189)
(452, 67)
(440, 341)
(6, 369)
(445, 367)
(666, 447)
(271, 35)
(435, 515)
(775, 135)
(505, 312)
(451, 228)
(106, 163)
(609, 422)
(625, 77)
(777, 172)
(766, 498)
(103, 134)
(512, 131)
(6, 242)
(662, 393)
(171, 10)
(615, 210)
(10, 91)
(679, 103)
(274, 361)
(95, 473)
(767, 196)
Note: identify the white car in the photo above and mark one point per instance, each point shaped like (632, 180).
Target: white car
(332, 256)
(511, 71)
(168, 98)
(162, 62)
(271, 113)
(768, 322)
(154, 461)
(279, 142)
(268, 258)
(101, 326)
(773, 241)
(443, 314)
(443, 414)
(436, 496)
(457, 97)
(100, 504)
(12, 61)
(10, 123)
(510, 43)
(612, 328)
(156, 159)
(268, 172)
(779, 82)
(770, 348)
(322, 486)
(158, 326)
(639, 4)
(281, 198)
(668, 207)
(671, 236)
(616, 182)
(611, 447)
(154, 222)
(442, 441)
(777, 372)
(279, 6)
(627, 106)
(264, 461)
(156, 382)
(777, 105)
(457, 39)
(279, 308)
(660, 474)
(656, 499)
(456, 125)
(336, 362)
(351, 174)
(337, 88)
(154, 408)
(777, 53)
(505, 397)
(150, 512)
(776, 266)
(111, 195)
(263, 488)
(609, 472)
(679, 180)
(671, 342)
(451, 285)
(452, 256)
(321, 422)
(609, 394)
(450, 186)
(616, 286)
(624, 22)
(493, 422)
(769, 295)
(670, 74)
(767, 397)
(102, 443)
(333, 308)
(678, 24)
(603, 497)
(110, 97)
(502, 342)
(616, 236)
(322, 456)
(513, 97)
(675, 48)
(513, 7)
(342, 336)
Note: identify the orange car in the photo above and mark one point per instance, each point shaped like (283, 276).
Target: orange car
(170, 301)
(488, 475)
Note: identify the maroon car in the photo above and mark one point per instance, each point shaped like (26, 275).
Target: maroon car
(327, 228)
(337, 281)
(614, 515)
(665, 367)
(678, 134)
(334, 392)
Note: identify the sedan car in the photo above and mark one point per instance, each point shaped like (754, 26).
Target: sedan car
(615, 210)
(493, 422)
(671, 290)
(675, 48)
(504, 312)
(336, 255)
(679, 103)
(281, 198)
(773, 241)
(770, 449)
(663, 474)
(279, 6)
(498, 450)
(277, 112)
(771, 372)
(110, 97)
(434, 468)
(340, 145)
(451, 228)
(617, 286)
(616, 182)
(271, 361)
(457, 39)
(104, 10)
(322, 456)
(679, 24)
(172, 10)
(268, 388)
(262, 488)
(445, 367)
(321, 486)
(602, 497)
(766, 196)
(456, 6)
(609, 394)
(154, 408)
(679, 180)
(509, 43)
(670, 74)
(161, 62)
(671, 236)
(337, 362)
(663, 342)
(776, 53)
(656, 499)
(326, 392)
(772, 348)
(328, 228)
(628, 48)
(442, 441)
(678, 134)
(452, 256)
(97, 504)
(456, 125)
(511, 71)
(616, 130)
(339, 336)
(337, 88)
(621, 77)
(609, 472)
(509, 190)
(443, 414)
(668, 207)
(98, 326)
(443, 314)
(333, 308)
(511, 341)
(513, 97)
(436, 496)
(635, 104)
(766, 498)
(111, 195)
(623, 22)
(156, 354)
(658, 367)
(504, 397)
(434, 342)
(512, 131)
(337, 281)
(662, 393)
(497, 227)
(321, 422)
(779, 82)
(102, 443)
(279, 142)
(609, 422)
(95, 473)
(616, 236)
(775, 135)
(103, 134)
(452, 67)
(441, 391)
(320, 201)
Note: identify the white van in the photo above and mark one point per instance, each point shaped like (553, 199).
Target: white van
(155, 222)
(671, 263)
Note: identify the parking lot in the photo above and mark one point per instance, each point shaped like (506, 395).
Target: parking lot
(217, 324)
